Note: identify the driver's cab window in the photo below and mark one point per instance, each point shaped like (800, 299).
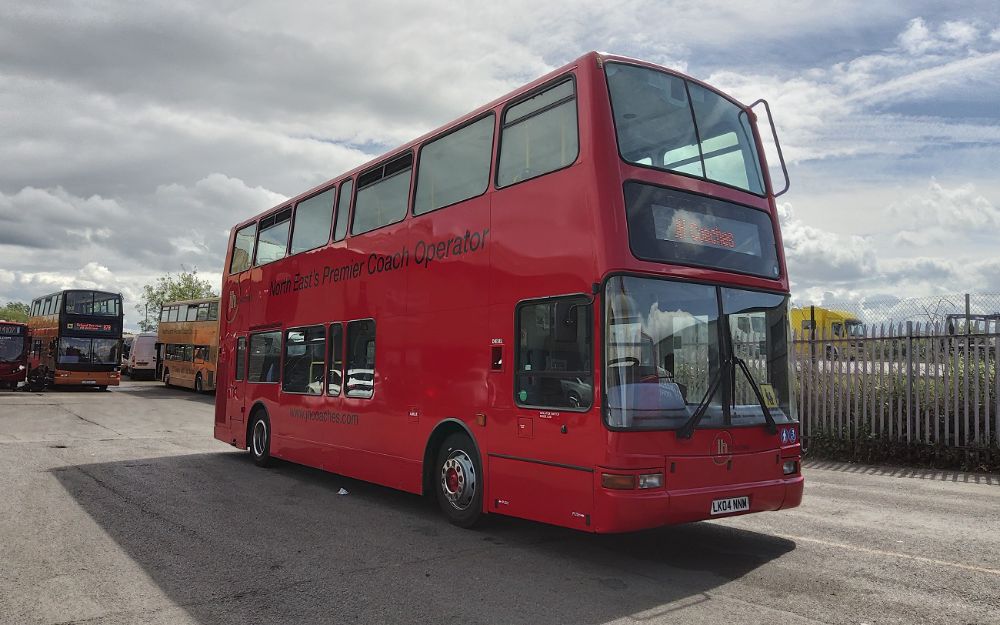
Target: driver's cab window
(555, 353)
(838, 329)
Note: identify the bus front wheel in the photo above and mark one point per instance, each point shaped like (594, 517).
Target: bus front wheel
(198, 387)
(166, 377)
(459, 481)
(260, 439)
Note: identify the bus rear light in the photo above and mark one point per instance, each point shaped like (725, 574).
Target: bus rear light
(791, 467)
(651, 480)
(617, 481)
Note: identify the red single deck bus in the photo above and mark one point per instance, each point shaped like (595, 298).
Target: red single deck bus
(568, 306)
(13, 353)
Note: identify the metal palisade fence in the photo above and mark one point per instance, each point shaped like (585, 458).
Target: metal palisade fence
(907, 384)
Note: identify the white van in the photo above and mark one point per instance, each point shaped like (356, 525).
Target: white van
(141, 362)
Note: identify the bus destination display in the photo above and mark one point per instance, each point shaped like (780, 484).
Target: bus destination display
(682, 226)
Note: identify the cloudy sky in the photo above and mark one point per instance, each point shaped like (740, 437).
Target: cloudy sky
(133, 135)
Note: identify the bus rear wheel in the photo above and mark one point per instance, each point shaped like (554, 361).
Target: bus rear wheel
(260, 438)
(459, 481)
(198, 387)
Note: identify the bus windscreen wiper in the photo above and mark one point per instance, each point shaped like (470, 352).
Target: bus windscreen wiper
(687, 429)
(772, 426)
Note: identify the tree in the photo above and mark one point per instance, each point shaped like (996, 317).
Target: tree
(170, 288)
(15, 311)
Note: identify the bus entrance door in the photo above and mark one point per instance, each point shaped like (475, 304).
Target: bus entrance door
(236, 387)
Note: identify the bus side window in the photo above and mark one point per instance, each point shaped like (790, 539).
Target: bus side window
(265, 357)
(343, 209)
(311, 224)
(539, 135)
(272, 239)
(454, 167)
(383, 195)
(305, 350)
(554, 353)
(241, 358)
(360, 358)
(335, 377)
(243, 248)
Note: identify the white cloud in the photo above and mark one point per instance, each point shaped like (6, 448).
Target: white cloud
(55, 240)
(816, 256)
(917, 38)
(133, 136)
(958, 212)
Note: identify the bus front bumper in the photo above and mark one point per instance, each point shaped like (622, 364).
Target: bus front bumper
(87, 378)
(631, 510)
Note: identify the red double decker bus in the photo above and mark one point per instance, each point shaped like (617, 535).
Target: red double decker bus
(569, 305)
(13, 353)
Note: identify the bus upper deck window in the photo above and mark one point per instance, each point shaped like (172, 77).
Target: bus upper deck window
(272, 239)
(539, 135)
(243, 248)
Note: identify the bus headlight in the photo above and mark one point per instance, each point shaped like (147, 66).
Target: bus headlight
(651, 480)
(790, 467)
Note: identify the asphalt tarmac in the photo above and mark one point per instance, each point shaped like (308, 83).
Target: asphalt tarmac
(120, 507)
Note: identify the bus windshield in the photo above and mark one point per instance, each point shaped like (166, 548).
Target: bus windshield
(663, 354)
(11, 348)
(88, 351)
(666, 122)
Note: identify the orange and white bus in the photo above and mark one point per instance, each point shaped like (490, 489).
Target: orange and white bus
(188, 343)
(76, 339)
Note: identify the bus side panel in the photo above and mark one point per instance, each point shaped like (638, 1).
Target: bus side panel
(445, 348)
(525, 490)
(556, 255)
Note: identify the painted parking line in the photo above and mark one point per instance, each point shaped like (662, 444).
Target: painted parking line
(894, 554)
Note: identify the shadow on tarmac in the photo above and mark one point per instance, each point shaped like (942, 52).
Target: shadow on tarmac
(232, 543)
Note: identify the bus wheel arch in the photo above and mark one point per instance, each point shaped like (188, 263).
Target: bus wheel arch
(442, 431)
(453, 472)
(258, 437)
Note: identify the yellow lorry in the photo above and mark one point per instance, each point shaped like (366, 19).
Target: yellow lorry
(837, 333)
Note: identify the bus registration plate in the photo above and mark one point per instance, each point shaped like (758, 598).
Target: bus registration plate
(730, 505)
(88, 382)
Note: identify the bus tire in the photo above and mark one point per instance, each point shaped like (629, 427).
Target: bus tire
(102, 388)
(458, 479)
(259, 439)
(166, 377)
(198, 386)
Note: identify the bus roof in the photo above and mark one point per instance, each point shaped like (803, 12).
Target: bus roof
(598, 58)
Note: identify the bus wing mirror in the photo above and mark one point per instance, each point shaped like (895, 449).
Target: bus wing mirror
(777, 145)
